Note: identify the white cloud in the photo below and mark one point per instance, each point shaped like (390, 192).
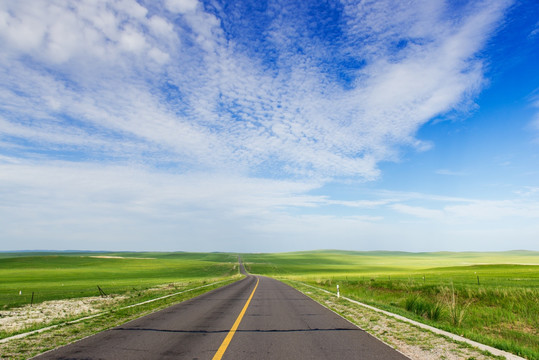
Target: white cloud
(133, 8)
(80, 31)
(95, 206)
(459, 211)
(99, 184)
(494, 210)
(534, 32)
(181, 6)
(161, 27)
(367, 204)
(132, 40)
(105, 205)
(294, 118)
(24, 31)
(528, 191)
(418, 211)
(159, 56)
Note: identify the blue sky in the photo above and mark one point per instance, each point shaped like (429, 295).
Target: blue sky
(269, 126)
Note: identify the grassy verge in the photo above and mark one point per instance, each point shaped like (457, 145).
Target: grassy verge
(116, 315)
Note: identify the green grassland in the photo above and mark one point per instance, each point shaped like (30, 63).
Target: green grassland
(492, 298)
(52, 276)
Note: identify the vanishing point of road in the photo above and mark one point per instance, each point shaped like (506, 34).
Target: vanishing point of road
(254, 318)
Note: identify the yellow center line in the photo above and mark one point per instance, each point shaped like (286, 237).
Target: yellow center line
(219, 354)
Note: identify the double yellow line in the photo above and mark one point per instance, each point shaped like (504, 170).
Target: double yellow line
(219, 354)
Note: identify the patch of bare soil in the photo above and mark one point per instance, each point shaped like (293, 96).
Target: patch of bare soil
(171, 286)
(47, 312)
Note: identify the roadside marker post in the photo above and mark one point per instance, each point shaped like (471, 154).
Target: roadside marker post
(338, 294)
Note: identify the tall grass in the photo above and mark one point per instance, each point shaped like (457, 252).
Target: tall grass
(457, 311)
(422, 307)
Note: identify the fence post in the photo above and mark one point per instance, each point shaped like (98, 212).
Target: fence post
(101, 292)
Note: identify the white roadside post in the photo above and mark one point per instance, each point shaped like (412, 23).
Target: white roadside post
(338, 294)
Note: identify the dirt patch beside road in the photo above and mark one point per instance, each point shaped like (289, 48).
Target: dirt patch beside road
(49, 312)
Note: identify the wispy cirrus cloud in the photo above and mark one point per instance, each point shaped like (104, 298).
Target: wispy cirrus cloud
(180, 81)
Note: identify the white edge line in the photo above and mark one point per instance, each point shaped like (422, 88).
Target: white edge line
(484, 347)
(23, 335)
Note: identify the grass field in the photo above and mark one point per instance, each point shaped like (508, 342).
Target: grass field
(492, 298)
(52, 276)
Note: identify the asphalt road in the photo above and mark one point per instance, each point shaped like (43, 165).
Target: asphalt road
(278, 323)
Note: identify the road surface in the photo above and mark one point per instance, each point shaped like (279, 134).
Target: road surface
(274, 321)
